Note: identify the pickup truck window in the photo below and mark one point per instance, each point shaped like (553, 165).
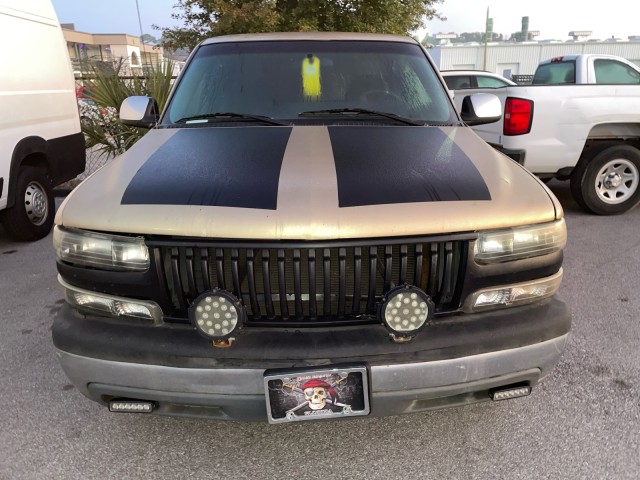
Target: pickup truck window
(613, 72)
(458, 82)
(281, 79)
(555, 73)
(490, 82)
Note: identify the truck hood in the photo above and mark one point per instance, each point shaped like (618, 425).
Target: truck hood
(308, 183)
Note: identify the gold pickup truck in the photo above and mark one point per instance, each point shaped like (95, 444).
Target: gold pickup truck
(309, 230)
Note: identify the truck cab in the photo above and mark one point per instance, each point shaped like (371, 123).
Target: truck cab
(587, 69)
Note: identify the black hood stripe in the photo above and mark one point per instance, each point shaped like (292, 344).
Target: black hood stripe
(387, 165)
(221, 166)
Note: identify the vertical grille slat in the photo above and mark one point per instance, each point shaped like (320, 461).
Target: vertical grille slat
(319, 284)
(235, 272)
(266, 281)
(373, 268)
(388, 266)
(446, 290)
(357, 272)
(342, 281)
(403, 265)
(433, 270)
(313, 308)
(282, 285)
(191, 278)
(175, 275)
(220, 267)
(253, 297)
(297, 283)
(326, 275)
(204, 266)
(418, 266)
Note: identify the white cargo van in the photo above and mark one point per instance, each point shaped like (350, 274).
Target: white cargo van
(41, 144)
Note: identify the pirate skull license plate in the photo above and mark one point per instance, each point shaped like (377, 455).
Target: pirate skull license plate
(334, 392)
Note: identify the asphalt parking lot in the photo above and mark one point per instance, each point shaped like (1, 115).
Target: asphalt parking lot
(582, 422)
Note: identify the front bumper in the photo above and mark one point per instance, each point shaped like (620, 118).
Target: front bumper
(456, 362)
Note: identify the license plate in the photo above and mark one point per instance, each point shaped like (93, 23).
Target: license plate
(314, 394)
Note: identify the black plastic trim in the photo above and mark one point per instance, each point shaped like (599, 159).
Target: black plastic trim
(517, 155)
(359, 242)
(64, 157)
(181, 346)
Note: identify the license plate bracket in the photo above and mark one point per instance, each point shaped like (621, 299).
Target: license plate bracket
(331, 392)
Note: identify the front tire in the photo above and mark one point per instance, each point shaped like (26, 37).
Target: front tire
(31, 217)
(609, 182)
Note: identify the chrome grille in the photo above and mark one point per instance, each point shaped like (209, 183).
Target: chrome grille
(313, 284)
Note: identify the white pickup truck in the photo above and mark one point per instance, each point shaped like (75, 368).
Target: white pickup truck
(586, 69)
(589, 134)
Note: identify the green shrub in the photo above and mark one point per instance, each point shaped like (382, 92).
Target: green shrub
(108, 87)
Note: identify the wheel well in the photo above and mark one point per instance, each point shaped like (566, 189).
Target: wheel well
(27, 153)
(38, 160)
(595, 146)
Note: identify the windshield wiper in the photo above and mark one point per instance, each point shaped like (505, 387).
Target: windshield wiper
(362, 111)
(232, 115)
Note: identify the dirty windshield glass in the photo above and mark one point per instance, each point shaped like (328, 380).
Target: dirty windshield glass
(281, 79)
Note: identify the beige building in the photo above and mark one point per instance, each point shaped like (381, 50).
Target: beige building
(110, 47)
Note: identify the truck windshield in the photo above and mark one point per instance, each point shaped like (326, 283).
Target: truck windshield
(281, 79)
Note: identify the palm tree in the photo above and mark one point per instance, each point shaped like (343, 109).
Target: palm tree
(104, 133)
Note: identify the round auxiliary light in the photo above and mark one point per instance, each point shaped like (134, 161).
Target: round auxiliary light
(405, 310)
(218, 314)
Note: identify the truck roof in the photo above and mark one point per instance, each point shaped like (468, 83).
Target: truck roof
(574, 56)
(322, 36)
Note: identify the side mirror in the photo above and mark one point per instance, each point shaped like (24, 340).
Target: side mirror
(481, 108)
(139, 112)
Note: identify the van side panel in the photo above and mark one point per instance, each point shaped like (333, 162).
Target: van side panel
(37, 93)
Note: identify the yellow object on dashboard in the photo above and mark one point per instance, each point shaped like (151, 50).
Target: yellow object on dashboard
(311, 77)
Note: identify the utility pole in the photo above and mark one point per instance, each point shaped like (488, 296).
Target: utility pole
(141, 33)
(488, 30)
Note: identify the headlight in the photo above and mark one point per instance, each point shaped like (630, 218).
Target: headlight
(522, 242)
(405, 311)
(217, 314)
(101, 251)
(513, 295)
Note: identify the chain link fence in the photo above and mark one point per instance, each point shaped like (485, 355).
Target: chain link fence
(95, 161)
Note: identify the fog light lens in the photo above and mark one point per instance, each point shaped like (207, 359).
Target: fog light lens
(133, 406)
(405, 310)
(217, 315)
(511, 393)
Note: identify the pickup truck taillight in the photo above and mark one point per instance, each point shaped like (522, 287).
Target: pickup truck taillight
(518, 114)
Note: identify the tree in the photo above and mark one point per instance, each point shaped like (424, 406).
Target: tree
(102, 129)
(209, 18)
(149, 39)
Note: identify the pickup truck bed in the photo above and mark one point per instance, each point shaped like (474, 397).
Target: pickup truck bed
(589, 134)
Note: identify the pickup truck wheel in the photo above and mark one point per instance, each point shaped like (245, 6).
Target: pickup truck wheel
(31, 216)
(608, 183)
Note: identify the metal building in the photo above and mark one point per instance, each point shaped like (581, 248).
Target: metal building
(508, 59)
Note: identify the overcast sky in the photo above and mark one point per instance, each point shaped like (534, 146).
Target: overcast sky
(553, 18)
